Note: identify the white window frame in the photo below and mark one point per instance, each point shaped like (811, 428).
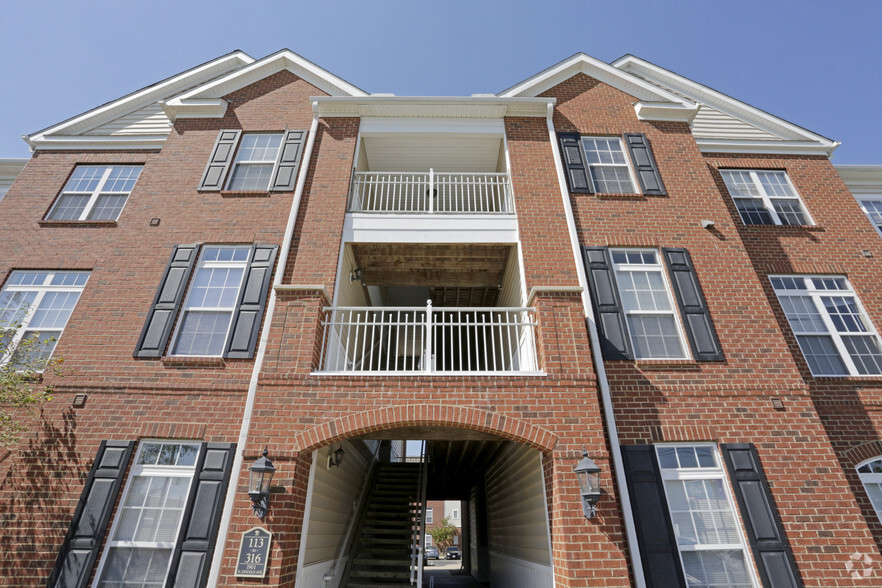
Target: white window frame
(629, 165)
(707, 473)
(95, 194)
(430, 516)
(871, 478)
(237, 162)
(137, 469)
(767, 198)
(186, 308)
(862, 200)
(454, 514)
(42, 289)
(675, 309)
(815, 294)
(428, 540)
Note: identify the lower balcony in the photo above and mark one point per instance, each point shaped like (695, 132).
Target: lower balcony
(425, 341)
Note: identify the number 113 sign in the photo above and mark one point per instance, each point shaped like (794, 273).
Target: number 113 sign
(253, 553)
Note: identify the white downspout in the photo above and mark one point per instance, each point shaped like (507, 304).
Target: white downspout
(603, 383)
(261, 352)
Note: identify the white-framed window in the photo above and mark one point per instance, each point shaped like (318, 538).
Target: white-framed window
(35, 305)
(455, 539)
(207, 314)
(765, 197)
(145, 528)
(454, 514)
(870, 473)
(608, 165)
(255, 161)
(710, 541)
(833, 331)
(95, 192)
(871, 204)
(649, 307)
(430, 516)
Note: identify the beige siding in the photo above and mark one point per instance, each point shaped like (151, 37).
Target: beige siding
(149, 120)
(511, 293)
(710, 123)
(333, 493)
(349, 293)
(516, 510)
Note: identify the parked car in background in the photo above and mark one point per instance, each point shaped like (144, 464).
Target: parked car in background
(453, 553)
(431, 552)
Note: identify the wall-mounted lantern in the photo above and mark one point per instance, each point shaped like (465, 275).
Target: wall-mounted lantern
(335, 457)
(589, 484)
(261, 476)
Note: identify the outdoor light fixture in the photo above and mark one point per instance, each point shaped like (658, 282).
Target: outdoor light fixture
(356, 274)
(335, 457)
(589, 484)
(261, 473)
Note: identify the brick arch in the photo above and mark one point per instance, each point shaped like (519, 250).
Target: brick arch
(455, 417)
(862, 452)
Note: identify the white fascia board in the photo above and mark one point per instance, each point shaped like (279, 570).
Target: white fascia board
(726, 104)
(861, 179)
(195, 108)
(103, 114)
(127, 142)
(471, 107)
(581, 63)
(10, 168)
(767, 147)
(430, 228)
(480, 126)
(262, 68)
(666, 111)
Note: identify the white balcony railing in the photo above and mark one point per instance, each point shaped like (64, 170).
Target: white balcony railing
(430, 193)
(460, 340)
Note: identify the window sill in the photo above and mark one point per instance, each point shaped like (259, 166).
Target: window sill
(849, 378)
(667, 364)
(790, 228)
(245, 194)
(77, 223)
(175, 361)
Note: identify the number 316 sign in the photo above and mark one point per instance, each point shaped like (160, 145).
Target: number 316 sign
(253, 553)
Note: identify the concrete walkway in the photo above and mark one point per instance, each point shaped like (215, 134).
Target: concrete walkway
(444, 579)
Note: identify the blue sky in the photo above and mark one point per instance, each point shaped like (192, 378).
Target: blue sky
(814, 63)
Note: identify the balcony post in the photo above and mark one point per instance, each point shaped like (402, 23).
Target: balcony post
(431, 195)
(427, 362)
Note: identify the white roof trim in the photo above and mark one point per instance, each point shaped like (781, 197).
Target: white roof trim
(207, 108)
(484, 107)
(101, 142)
(861, 179)
(192, 103)
(769, 147)
(132, 102)
(666, 111)
(581, 63)
(10, 168)
(788, 132)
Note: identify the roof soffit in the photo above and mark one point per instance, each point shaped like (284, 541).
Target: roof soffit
(69, 133)
(793, 137)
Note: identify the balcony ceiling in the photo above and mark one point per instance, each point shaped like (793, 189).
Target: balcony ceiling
(404, 152)
(438, 266)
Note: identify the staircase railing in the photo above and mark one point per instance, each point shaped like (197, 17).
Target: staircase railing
(418, 536)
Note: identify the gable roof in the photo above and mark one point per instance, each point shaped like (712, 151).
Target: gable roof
(724, 124)
(134, 121)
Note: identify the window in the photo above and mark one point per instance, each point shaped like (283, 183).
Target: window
(145, 529)
(456, 539)
(35, 305)
(870, 473)
(609, 169)
(709, 538)
(871, 204)
(255, 161)
(833, 332)
(646, 300)
(430, 516)
(428, 539)
(765, 197)
(95, 192)
(454, 514)
(211, 301)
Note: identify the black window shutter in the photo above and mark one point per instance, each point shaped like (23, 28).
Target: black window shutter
(252, 300)
(573, 157)
(644, 162)
(92, 515)
(161, 317)
(693, 308)
(655, 532)
(288, 161)
(771, 551)
(614, 338)
(219, 163)
(199, 525)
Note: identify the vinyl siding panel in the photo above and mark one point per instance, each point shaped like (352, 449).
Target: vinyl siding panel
(149, 120)
(511, 293)
(711, 123)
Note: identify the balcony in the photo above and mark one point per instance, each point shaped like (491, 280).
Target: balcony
(430, 193)
(412, 340)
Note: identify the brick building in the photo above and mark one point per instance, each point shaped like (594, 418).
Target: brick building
(605, 257)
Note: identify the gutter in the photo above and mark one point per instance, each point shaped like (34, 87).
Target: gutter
(229, 500)
(603, 383)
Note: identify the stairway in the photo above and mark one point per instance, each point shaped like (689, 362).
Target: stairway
(381, 553)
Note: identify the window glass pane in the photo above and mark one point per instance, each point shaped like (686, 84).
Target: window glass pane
(54, 310)
(107, 207)
(821, 355)
(122, 179)
(873, 209)
(686, 456)
(135, 568)
(865, 353)
(790, 212)
(705, 457)
(187, 455)
(775, 183)
(167, 454)
(85, 178)
(611, 180)
(753, 212)
(844, 313)
(69, 279)
(654, 336)
(69, 207)
(740, 183)
(803, 314)
(667, 457)
(14, 306)
(203, 333)
(716, 569)
(149, 453)
(215, 288)
(251, 176)
(35, 355)
(259, 147)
